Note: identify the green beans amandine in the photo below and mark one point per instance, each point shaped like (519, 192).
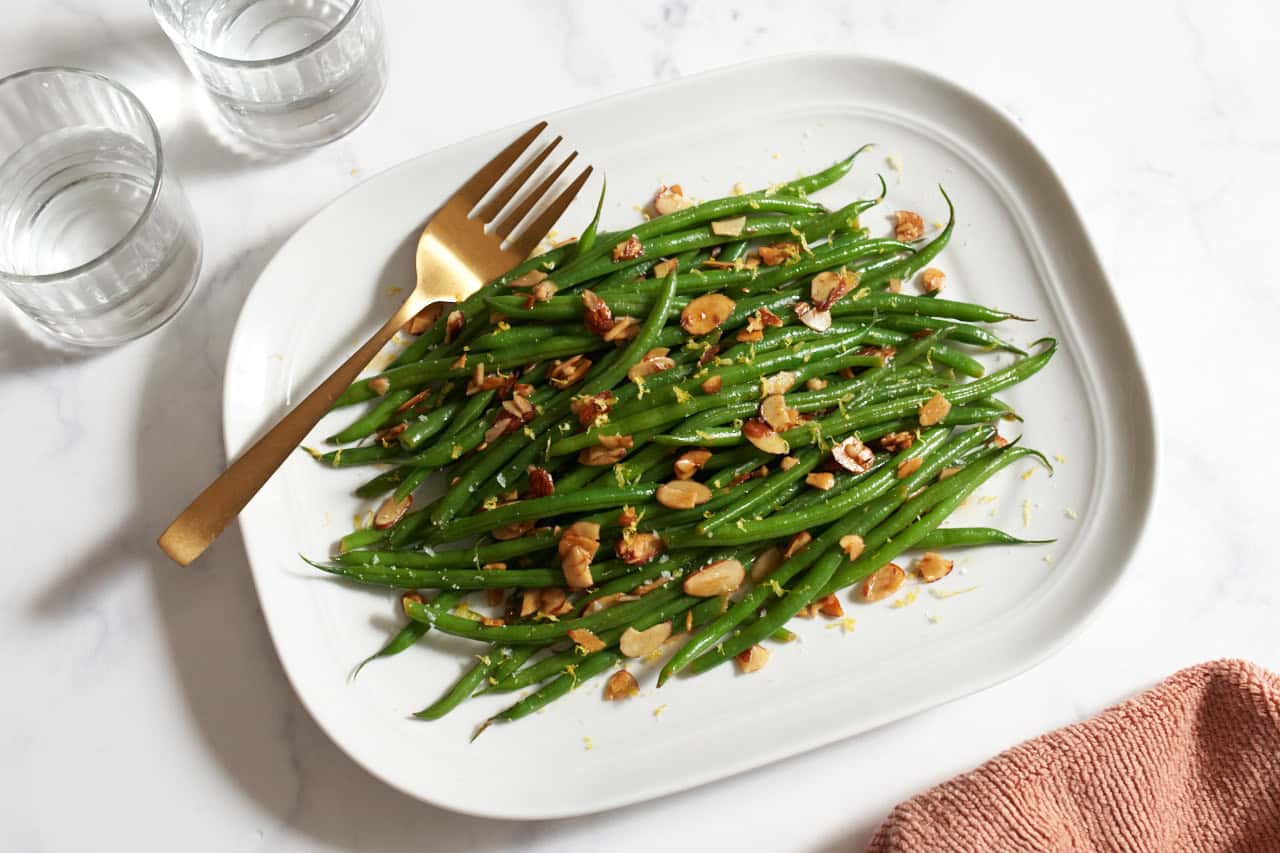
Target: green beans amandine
(733, 398)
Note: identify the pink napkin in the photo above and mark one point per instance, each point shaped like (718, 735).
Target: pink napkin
(1192, 764)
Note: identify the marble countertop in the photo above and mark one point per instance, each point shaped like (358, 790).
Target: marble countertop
(145, 707)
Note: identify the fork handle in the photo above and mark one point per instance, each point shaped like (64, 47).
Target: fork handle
(208, 515)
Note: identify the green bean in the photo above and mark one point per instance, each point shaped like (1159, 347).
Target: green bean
(370, 422)
(968, 537)
(505, 338)
(806, 461)
(511, 659)
(461, 689)
(383, 483)
(361, 539)
(908, 267)
(924, 306)
(587, 240)
(345, 457)
(455, 579)
(965, 334)
(825, 178)
(406, 637)
(471, 556)
(428, 425)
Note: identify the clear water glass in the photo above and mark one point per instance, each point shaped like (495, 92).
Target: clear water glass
(98, 243)
(283, 73)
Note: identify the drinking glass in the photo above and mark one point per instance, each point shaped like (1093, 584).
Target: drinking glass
(98, 243)
(283, 73)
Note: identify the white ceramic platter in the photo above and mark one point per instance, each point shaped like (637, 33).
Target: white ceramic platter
(1020, 244)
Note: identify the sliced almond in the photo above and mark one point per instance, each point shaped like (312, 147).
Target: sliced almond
(779, 383)
(827, 287)
(821, 480)
(586, 639)
(949, 472)
(543, 291)
(379, 385)
(568, 372)
(553, 601)
(778, 253)
(492, 622)
(753, 659)
(934, 410)
(775, 412)
(613, 442)
(817, 320)
(765, 562)
(598, 456)
(682, 494)
(637, 644)
(933, 566)
(541, 483)
(590, 409)
(453, 325)
(604, 602)
(624, 329)
(500, 427)
(493, 567)
(815, 384)
(908, 226)
(627, 516)
(391, 511)
(426, 318)
(729, 227)
(907, 467)
(649, 366)
(852, 546)
(788, 462)
(638, 548)
(705, 313)
(596, 314)
(764, 437)
(897, 441)
(628, 250)
(932, 280)
(895, 285)
(529, 601)
(712, 385)
(621, 685)
(690, 462)
(719, 578)
(887, 580)
(830, 607)
(577, 547)
(529, 279)
(665, 268)
(854, 456)
(514, 530)
(670, 199)
(797, 544)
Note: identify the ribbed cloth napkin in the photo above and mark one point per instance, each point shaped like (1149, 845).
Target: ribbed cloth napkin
(1191, 764)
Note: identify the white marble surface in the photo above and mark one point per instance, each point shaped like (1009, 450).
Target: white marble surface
(144, 706)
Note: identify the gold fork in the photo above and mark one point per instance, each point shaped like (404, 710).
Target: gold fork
(456, 255)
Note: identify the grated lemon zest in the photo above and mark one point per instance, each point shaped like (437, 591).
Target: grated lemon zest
(951, 593)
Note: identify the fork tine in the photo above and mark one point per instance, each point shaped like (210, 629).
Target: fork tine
(512, 219)
(483, 181)
(536, 230)
(510, 187)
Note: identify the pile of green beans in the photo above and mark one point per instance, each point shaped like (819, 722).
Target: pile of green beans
(595, 460)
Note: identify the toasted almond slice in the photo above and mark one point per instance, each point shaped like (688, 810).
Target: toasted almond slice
(541, 483)
(854, 456)
(897, 441)
(379, 385)
(627, 516)
(852, 546)
(613, 442)
(598, 456)
(629, 249)
(895, 285)
(638, 548)
(778, 253)
(887, 580)
(621, 685)
(765, 562)
(576, 565)
(933, 279)
(567, 372)
(705, 313)
(779, 383)
(907, 467)
(649, 366)
(827, 287)
(500, 427)
(665, 268)
(830, 607)
(453, 325)
(774, 412)
(492, 622)
(551, 600)
(543, 291)
(637, 644)
(604, 602)
(933, 566)
(596, 314)
(529, 279)
(690, 462)
(514, 530)
(669, 200)
(586, 639)
(426, 318)
(788, 462)
(797, 544)
(712, 385)
(764, 437)
(391, 511)
(493, 567)
(934, 410)
(719, 578)
(949, 472)
(815, 384)
(729, 227)
(683, 494)
(753, 659)
(529, 602)
(821, 480)
(624, 329)
(817, 320)
(909, 226)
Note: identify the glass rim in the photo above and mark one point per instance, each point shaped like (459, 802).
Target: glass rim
(115, 247)
(274, 60)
